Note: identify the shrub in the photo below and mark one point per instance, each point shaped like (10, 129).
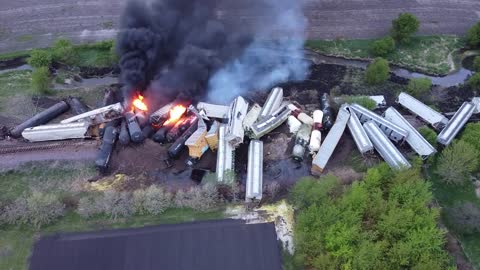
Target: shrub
(38, 209)
(39, 58)
(198, 198)
(417, 87)
(383, 47)
(64, 52)
(473, 36)
(88, 207)
(44, 208)
(116, 204)
(474, 81)
(41, 80)
(457, 162)
(157, 200)
(476, 63)
(16, 213)
(404, 27)
(464, 218)
(377, 71)
(139, 197)
(429, 134)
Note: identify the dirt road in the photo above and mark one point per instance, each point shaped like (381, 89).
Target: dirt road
(27, 24)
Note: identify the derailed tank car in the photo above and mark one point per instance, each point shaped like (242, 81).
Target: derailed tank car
(104, 155)
(385, 147)
(456, 123)
(254, 187)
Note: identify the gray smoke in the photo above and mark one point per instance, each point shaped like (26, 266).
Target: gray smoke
(276, 54)
(180, 48)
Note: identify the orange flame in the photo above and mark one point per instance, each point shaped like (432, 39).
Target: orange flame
(139, 104)
(175, 114)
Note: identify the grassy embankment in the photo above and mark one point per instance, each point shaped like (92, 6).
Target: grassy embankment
(68, 180)
(430, 54)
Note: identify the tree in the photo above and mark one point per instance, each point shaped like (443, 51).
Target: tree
(41, 80)
(40, 58)
(417, 87)
(473, 36)
(308, 191)
(64, 52)
(470, 134)
(377, 71)
(383, 47)
(404, 27)
(476, 63)
(383, 222)
(474, 81)
(457, 162)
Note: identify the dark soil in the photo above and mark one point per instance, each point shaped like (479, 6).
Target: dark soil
(450, 99)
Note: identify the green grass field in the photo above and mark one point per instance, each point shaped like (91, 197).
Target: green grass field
(430, 54)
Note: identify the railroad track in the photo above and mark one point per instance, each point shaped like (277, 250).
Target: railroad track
(41, 146)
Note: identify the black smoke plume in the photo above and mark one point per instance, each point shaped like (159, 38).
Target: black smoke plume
(170, 48)
(184, 48)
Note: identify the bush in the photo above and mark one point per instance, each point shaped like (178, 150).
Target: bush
(476, 63)
(39, 58)
(429, 134)
(404, 27)
(116, 204)
(383, 47)
(474, 81)
(457, 162)
(156, 200)
(38, 209)
(377, 71)
(198, 198)
(473, 36)
(88, 207)
(41, 80)
(64, 52)
(418, 87)
(464, 218)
